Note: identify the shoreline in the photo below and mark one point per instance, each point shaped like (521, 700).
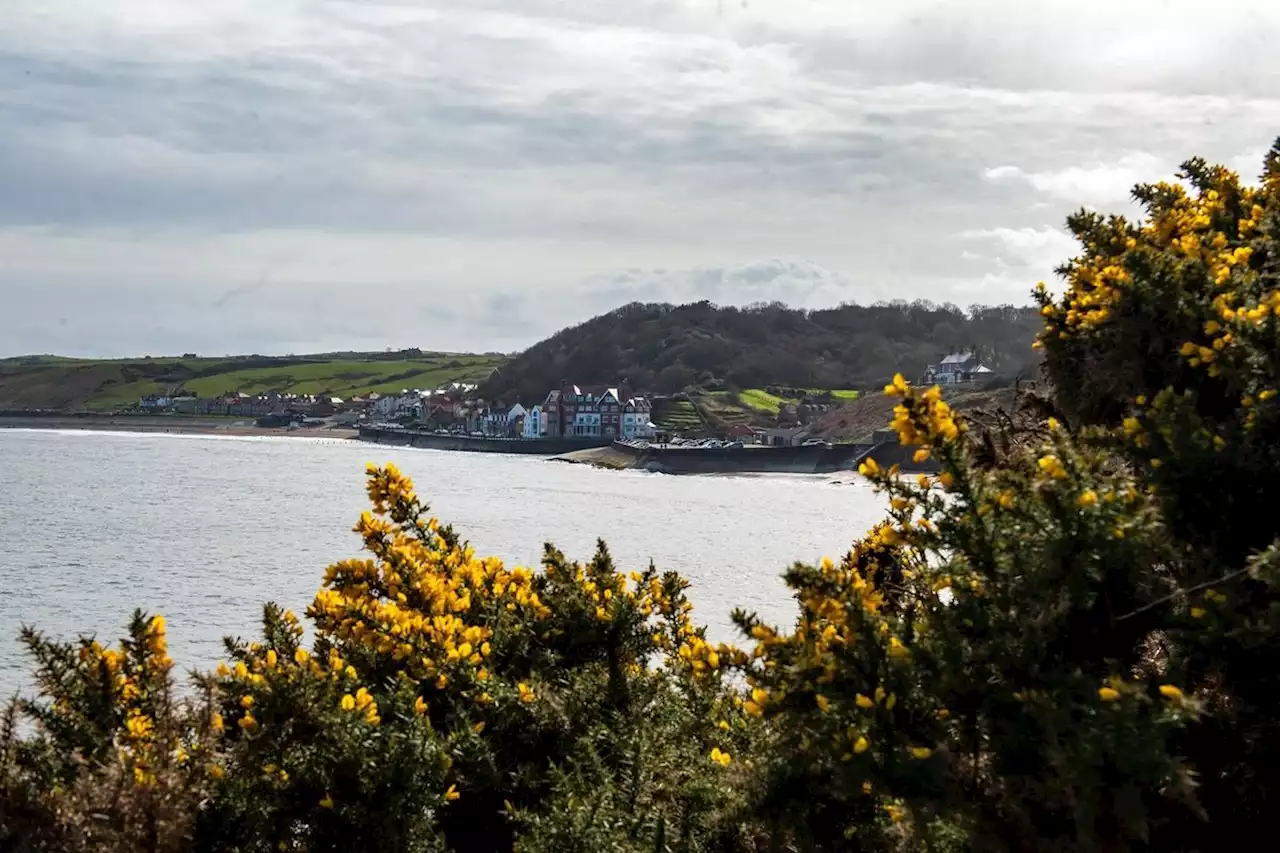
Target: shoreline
(239, 428)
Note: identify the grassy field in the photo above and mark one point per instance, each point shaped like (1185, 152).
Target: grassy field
(762, 401)
(756, 407)
(50, 382)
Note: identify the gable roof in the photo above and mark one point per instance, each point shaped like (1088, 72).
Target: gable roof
(957, 358)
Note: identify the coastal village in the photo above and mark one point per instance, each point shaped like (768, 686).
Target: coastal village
(570, 411)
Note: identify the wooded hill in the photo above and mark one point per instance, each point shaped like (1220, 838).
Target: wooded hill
(662, 348)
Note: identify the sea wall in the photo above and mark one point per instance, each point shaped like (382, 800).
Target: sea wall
(890, 453)
(813, 459)
(810, 459)
(470, 444)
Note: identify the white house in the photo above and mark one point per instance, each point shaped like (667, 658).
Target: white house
(514, 414)
(791, 436)
(385, 406)
(636, 414)
(409, 403)
(957, 368)
(154, 401)
(534, 423)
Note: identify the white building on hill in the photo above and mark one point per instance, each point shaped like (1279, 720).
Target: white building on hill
(957, 369)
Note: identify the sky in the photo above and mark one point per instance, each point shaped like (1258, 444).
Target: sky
(289, 176)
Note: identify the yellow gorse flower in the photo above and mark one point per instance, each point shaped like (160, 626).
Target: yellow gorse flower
(423, 600)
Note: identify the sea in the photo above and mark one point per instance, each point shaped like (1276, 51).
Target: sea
(204, 529)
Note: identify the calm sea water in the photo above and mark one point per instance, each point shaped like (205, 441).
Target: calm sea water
(204, 529)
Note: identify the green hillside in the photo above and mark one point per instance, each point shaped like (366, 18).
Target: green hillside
(51, 382)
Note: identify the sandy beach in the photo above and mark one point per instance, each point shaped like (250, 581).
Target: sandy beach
(170, 424)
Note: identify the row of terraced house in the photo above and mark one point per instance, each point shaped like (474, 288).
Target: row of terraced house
(247, 405)
(572, 411)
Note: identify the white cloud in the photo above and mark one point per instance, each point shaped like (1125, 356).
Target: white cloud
(1094, 184)
(1026, 244)
(1018, 257)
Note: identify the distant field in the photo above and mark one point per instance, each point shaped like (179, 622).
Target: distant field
(761, 400)
(78, 384)
(756, 406)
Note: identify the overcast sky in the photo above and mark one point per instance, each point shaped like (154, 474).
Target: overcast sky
(299, 175)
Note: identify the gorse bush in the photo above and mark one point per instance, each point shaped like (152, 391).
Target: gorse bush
(1064, 639)
(446, 702)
